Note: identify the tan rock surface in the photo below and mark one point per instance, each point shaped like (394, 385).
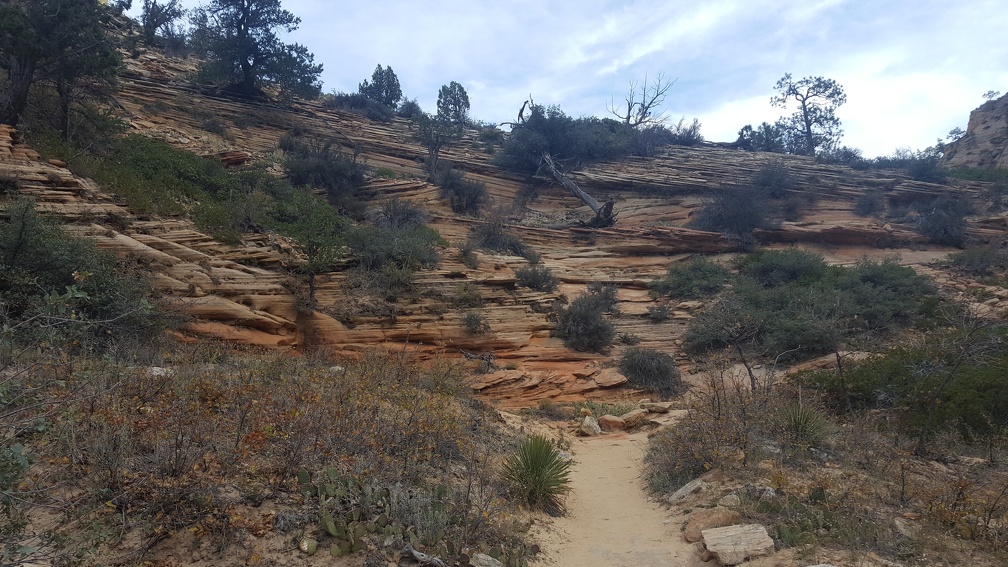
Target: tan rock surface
(250, 289)
(985, 144)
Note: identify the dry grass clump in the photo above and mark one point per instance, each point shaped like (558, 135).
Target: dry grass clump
(834, 485)
(164, 447)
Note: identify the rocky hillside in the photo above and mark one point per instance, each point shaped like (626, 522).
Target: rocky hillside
(985, 144)
(246, 293)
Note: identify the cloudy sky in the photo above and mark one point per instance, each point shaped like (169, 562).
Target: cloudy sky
(912, 69)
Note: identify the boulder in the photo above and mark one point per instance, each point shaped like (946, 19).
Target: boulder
(636, 417)
(589, 427)
(706, 518)
(732, 545)
(657, 407)
(611, 423)
(609, 377)
(691, 487)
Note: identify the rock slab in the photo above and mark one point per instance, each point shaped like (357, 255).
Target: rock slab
(611, 423)
(707, 518)
(589, 427)
(732, 545)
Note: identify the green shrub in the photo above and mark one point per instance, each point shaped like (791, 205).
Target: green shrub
(582, 325)
(943, 220)
(375, 247)
(8, 184)
(792, 302)
(151, 175)
(979, 260)
(773, 268)
(154, 177)
(464, 196)
(774, 179)
(537, 277)
(922, 165)
(923, 382)
(494, 235)
(475, 324)
(628, 339)
(408, 108)
(358, 104)
(869, 203)
(314, 162)
(695, 278)
(466, 295)
(685, 133)
(539, 475)
(400, 214)
(548, 409)
(60, 289)
(653, 370)
(658, 313)
(603, 296)
(467, 254)
(491, 134)
(217, 126)
(550, 130)
(735, 211)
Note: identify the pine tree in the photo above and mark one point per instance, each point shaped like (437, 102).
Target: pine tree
(240, 36)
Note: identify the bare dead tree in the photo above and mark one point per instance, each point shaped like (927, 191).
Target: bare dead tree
(604, 215)
(642, 104)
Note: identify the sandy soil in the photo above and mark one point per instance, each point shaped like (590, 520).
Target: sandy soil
(610, 520)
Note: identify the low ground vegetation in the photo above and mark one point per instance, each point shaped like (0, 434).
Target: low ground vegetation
(537, 277)
(652, 370)
(767, 197)
(979, 261)
(883, 422)
(59, 290)
(359, 104)
(550, 130)
(495, 235)
(791, 304)
(465, 196)
(582, 325)
(346, 454)
(695, 278)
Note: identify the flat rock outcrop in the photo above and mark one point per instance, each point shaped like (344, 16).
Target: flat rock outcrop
(732, 545)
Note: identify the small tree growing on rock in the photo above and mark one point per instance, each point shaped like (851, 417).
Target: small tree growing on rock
(157, 15)
(384, 87)
(814, 126)
(453, 103)
(240, 37)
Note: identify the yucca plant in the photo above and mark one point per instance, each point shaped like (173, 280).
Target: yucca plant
(805, 425)
(538, 475)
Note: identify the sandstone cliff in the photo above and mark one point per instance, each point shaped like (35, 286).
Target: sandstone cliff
(247, 294)
(985, 144)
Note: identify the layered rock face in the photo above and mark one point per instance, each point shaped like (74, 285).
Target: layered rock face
(252, 294)
(985, 145)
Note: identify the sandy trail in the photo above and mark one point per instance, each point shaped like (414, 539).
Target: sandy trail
(610, 521)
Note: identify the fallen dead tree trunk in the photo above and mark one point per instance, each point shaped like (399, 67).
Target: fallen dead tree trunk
(604, 215)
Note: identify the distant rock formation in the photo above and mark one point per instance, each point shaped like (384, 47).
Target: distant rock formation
(985, 144)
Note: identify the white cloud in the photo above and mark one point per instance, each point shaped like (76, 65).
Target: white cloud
(912, 69)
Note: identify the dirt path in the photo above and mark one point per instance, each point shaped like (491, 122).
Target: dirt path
(610, 520)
